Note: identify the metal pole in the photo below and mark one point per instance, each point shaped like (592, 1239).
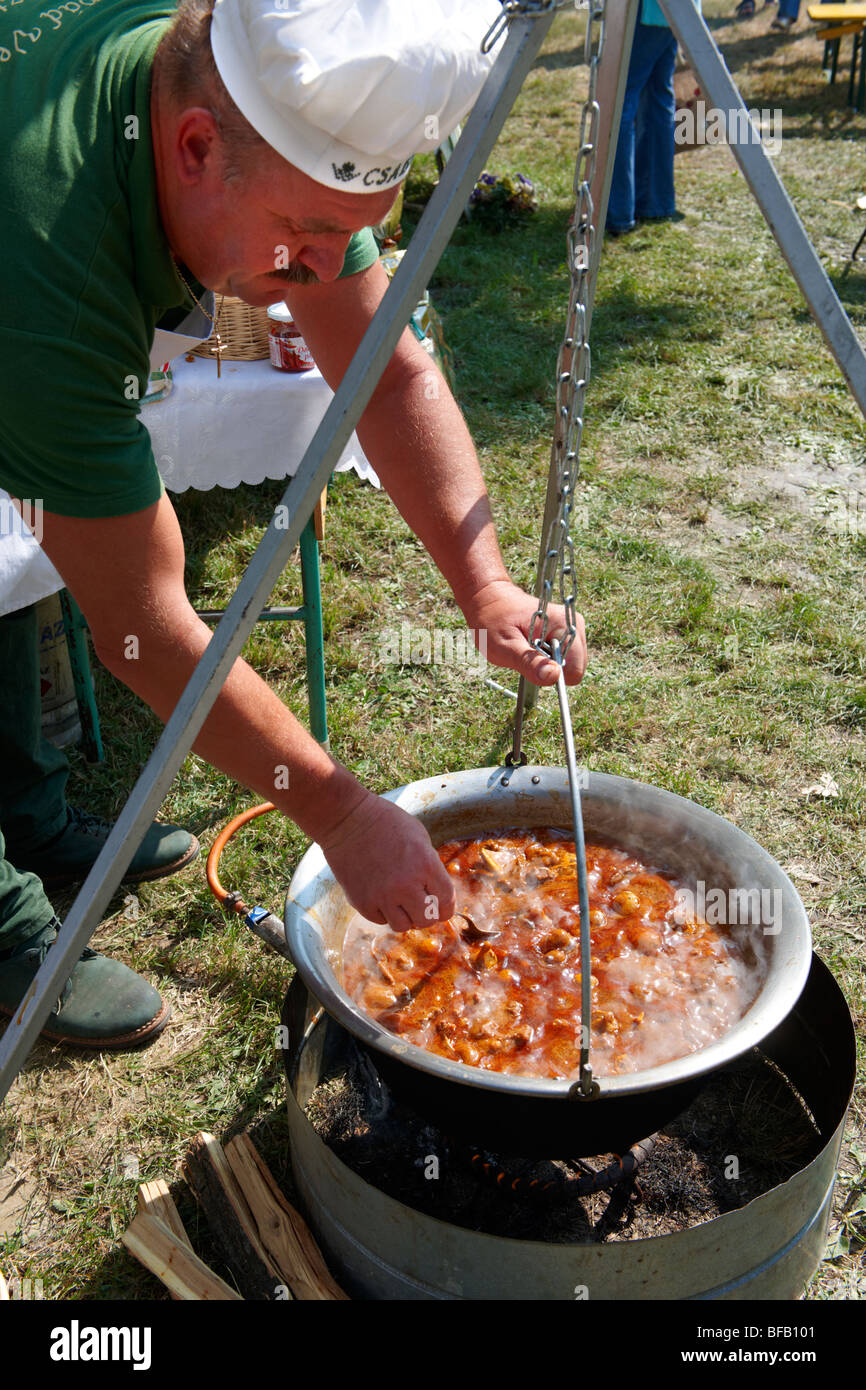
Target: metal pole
(620, 17)
(526, 34)
(769, 193)
(619, 24)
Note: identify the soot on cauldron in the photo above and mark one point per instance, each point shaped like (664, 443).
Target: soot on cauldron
(747, 1131)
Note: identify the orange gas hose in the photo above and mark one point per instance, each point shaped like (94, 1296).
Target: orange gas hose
(231, 901)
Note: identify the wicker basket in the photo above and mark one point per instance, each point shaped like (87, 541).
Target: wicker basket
(243, 332)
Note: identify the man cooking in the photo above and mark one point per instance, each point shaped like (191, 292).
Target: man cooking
(151, 156)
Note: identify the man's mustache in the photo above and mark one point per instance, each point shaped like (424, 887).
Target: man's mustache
(295, 275)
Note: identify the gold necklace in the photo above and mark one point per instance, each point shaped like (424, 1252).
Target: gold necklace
(216, 332)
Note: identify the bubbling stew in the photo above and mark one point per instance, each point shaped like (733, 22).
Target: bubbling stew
(498, 985)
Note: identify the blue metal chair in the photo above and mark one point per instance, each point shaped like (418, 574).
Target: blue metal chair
(309, 613)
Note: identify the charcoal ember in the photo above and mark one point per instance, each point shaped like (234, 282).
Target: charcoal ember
(748, 1108)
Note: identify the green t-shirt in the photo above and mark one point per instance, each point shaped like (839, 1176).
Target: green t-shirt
(86, 271)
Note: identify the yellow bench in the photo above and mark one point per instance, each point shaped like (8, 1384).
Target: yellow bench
(842, 21)
(837, 14)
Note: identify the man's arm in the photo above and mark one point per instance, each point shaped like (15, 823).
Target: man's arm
(416, 439)
(127, 576)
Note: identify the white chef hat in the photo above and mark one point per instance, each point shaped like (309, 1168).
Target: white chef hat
(349, 90)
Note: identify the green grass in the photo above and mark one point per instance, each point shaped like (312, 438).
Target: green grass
(725, 619)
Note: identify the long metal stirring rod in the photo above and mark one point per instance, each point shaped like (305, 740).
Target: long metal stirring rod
(585, 1088)
(526, 34)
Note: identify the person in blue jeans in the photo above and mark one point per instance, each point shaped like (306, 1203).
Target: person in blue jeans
(789, 11)
(642, 188)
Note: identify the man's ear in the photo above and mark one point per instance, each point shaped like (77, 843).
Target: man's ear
(197, 145)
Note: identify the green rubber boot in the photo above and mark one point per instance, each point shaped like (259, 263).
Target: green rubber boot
(103, 1004)
(69, 856)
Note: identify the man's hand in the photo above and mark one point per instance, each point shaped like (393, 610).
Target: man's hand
(504, 612)
(387, 866)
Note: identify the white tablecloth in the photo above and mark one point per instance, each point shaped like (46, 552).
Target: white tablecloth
(251, 423)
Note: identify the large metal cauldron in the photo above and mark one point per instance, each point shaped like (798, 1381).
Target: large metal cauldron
(526, 1114)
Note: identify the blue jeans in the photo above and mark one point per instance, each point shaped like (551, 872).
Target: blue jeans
(643, 171)
(789, 9)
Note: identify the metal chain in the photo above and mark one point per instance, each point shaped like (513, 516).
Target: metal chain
(574, 360)
(510, 8)
(573, 363)
(572, 376)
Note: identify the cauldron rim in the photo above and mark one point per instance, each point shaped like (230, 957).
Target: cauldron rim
(514, 787)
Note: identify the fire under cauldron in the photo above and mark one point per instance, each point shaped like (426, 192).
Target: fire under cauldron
(535, 1115)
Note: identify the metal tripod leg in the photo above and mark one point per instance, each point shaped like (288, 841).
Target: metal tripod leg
(770, 195)
(526, 34)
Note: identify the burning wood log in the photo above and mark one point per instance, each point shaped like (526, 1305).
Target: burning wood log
(230, 1220)
(281, 1229)
(179, 1268)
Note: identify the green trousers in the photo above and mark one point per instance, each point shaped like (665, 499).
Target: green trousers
(33, 777)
